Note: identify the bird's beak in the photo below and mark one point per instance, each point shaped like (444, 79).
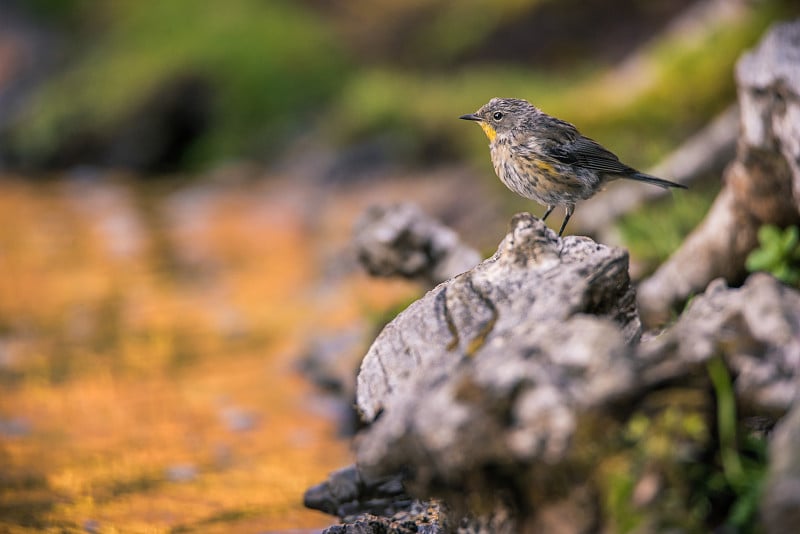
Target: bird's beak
(470, 117)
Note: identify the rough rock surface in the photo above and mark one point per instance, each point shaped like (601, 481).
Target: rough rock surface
(507, 390)
(348, 493)
(400, 240)
(755, 328)
(762, 185)
(499, 368)
(534, 282)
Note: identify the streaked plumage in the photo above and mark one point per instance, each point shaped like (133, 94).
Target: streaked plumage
(546, 159)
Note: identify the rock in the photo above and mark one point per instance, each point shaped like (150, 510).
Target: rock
(518, 396)
(761, 186)
(400, 240)
(421, 518)
(348, 493)
(522, 389)
(14, 427)
(535, 283)
(755, 328)
(369, 506)
(482, 385)
(237, 419)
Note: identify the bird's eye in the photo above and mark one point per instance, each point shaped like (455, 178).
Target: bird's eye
(498, 115)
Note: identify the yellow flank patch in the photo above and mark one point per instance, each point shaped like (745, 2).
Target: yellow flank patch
(544, 167)
(490, 132)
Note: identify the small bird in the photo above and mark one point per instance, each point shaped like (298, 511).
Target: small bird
(546, 159)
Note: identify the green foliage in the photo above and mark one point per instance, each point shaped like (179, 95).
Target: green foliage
(653, 232)
(690, 83)
(280, 68)
(695, 81)
(269, 64)
(684, 464)
(61, 11)
(423, 109)
(778, 254)
(660, 444)
(743, 462)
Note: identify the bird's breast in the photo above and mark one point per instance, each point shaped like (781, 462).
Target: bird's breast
(523, 171)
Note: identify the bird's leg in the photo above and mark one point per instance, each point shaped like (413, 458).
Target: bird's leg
(570, 210)
(546, 213)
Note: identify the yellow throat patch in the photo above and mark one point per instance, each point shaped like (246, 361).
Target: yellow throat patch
(490, 132)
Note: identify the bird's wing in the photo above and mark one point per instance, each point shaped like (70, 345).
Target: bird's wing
(589, 154)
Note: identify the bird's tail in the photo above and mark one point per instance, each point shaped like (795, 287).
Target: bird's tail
(642, 177)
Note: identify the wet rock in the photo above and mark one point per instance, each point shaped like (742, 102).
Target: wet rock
(348, 493)
(238, 420)
(420, 518)
(15, 427)
(92, 526)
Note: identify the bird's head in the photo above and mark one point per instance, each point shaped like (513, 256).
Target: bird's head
(501, 115)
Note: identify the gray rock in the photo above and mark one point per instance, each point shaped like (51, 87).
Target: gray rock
(755, 328)
(348, 493)
(420, 518)
(505, 397)
(400, 240)
(482, 385)
(534, 284)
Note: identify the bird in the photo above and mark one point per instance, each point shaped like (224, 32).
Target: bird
(546, 159)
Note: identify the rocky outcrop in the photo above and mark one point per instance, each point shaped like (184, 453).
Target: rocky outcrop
(512, 394)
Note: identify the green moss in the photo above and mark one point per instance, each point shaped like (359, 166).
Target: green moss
(423, 109)
(683, 464)
(267, 63)
(277, 68)
(742, 462)
(645, 486)
(653, 232)
(690, 82)
(60, 11)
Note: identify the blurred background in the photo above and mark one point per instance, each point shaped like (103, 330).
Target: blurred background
(178, 185)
